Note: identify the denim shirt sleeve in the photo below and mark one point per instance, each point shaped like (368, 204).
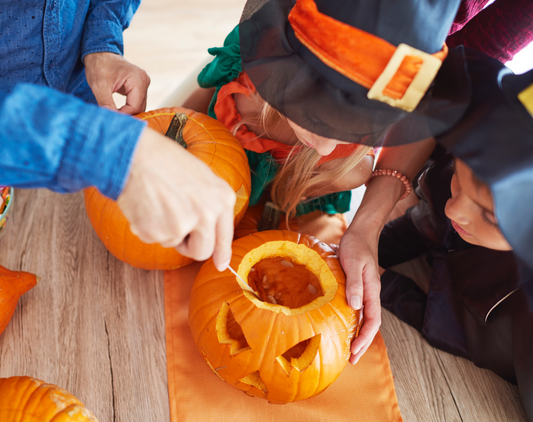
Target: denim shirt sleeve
(104, 24)
(53, 140)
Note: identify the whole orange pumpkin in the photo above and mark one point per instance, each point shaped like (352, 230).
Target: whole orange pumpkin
(329, 228)
(283, 336)
(32, 400)
(208, 140)
(13, 284)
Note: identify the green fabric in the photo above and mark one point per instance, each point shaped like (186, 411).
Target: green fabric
(264, 168)
(225, 67)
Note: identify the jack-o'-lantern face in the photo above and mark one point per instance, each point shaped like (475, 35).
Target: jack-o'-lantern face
(285, 334)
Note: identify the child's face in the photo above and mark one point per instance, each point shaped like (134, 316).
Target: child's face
(324, 146)
(471, 210)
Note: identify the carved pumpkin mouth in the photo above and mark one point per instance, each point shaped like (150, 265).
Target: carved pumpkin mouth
(287, 277)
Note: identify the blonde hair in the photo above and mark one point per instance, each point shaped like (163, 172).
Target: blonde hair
(300, 172)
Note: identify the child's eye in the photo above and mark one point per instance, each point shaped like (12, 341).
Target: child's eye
(489, 218)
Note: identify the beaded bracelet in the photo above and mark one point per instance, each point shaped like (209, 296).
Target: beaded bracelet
(387, 172)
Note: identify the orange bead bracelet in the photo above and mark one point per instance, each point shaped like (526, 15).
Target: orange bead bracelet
(387, 172)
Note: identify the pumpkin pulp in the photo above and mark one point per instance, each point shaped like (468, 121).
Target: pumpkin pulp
(306, 265)
(280, 281)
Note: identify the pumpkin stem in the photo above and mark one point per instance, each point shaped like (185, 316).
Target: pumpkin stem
(270, 218)
(175, 129)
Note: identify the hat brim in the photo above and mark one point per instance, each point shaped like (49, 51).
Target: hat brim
(316, 97)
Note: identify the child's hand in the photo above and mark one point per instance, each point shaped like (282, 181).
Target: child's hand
(358, 250)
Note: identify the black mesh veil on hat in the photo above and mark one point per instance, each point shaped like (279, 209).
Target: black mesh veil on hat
(300, 86)
(495, 139)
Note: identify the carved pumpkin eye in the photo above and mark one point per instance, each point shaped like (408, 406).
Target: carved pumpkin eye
(286, 334)
(301, 356)
(230, 332)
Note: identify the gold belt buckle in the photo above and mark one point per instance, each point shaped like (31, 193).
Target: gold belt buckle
(526, 98)
(419, 85)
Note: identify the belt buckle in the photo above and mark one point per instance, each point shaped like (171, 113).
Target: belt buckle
(526, 98)
(418, 86)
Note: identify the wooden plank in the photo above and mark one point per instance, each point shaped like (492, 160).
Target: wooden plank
(93, 325)
(433, 385)
(479, 394)
(422, 392)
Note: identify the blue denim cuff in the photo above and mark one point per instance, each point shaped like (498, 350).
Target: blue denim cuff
(102, 36)
(99, 151)
(53, 140)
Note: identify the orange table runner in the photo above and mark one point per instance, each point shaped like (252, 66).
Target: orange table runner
(363, 393)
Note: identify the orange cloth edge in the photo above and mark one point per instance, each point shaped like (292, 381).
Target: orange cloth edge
(385, 410)
(352, 52)
(227, 113)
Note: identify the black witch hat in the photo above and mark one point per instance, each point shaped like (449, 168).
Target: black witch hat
(349, 69)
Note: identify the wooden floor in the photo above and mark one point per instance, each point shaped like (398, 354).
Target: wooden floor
(95, 326)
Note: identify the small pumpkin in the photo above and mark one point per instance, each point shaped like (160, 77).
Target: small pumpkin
(329, 228)
(33, 400)
(13, 284)
(284, 334)
(208, 140)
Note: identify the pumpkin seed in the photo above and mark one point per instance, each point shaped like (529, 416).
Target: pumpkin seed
(312, 289)
(266, 283)
(287, 264)
(272, 300)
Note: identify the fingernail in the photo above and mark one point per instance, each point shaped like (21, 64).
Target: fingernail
(355, 302)
(225, 265)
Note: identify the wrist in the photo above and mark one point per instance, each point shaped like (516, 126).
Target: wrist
(94, 59)
(407, 187)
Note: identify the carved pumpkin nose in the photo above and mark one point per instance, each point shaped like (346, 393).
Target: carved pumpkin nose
(290, 338)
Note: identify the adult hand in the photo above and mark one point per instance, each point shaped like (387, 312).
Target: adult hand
(108, 73)
(358, 257)
(173, 198)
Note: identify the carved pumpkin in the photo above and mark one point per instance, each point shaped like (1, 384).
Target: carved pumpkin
(13, 284)
(208, 140)
(290, 339)
(32, 400)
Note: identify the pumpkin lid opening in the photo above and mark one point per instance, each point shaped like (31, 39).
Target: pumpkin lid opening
(281, 282)
(287, 277)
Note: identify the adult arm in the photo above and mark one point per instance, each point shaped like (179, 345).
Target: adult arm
(101, 51)
(358, 250)
(49, 139)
